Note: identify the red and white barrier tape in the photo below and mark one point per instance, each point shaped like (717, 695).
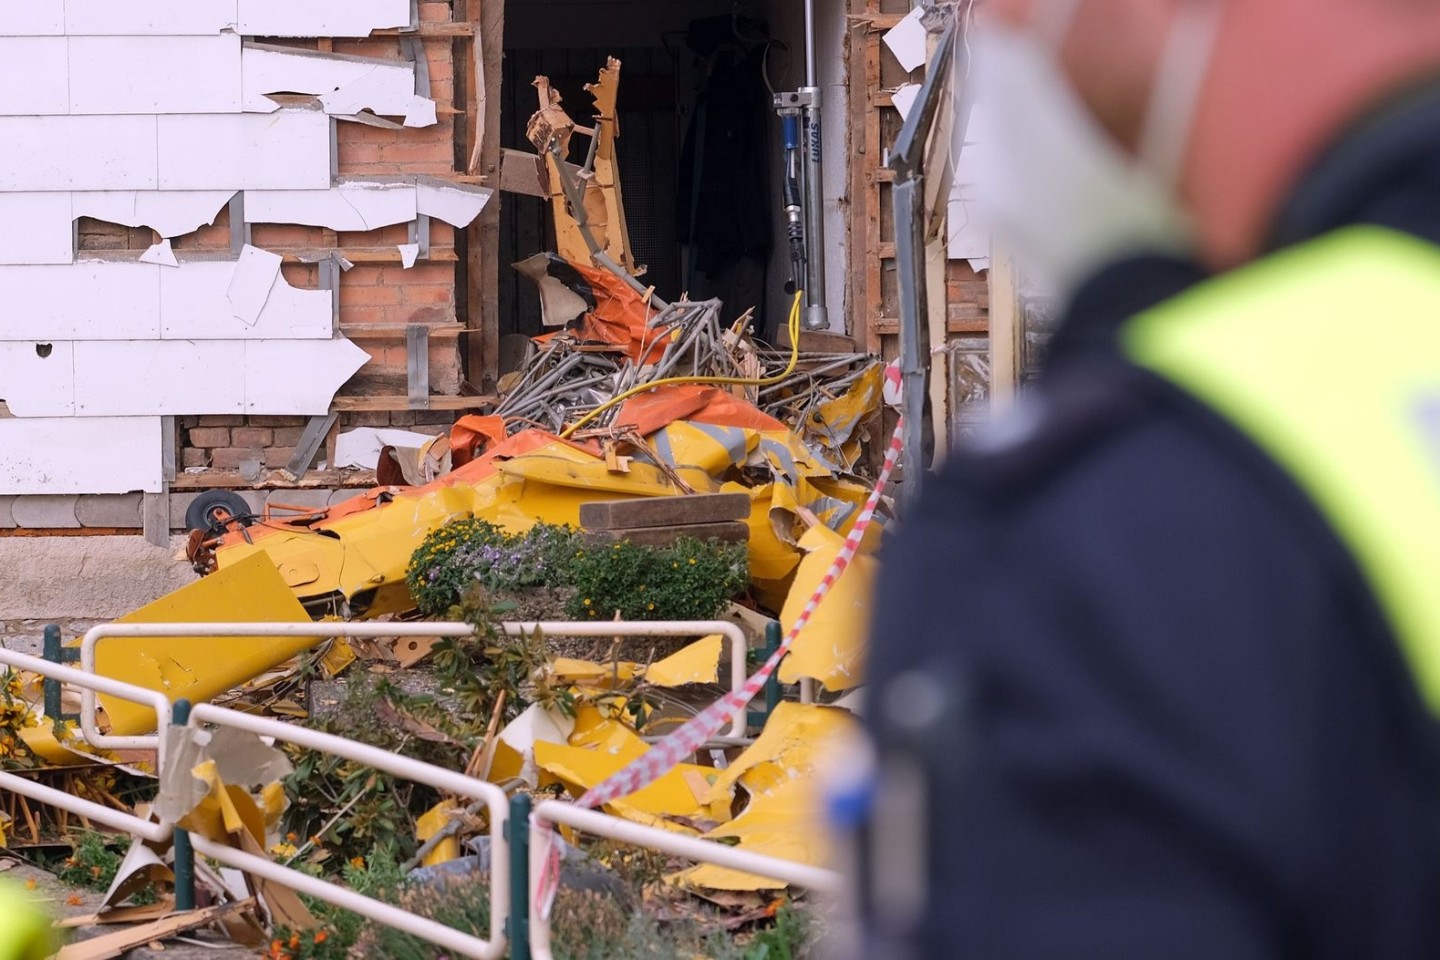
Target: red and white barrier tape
(665, 755)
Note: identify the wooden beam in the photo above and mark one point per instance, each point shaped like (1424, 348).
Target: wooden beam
(396, 331)
(483, 349)
(734, 531)
(1006, 328)
(428, 29)
(664, 511)
(314, 480)
(890, 326)
(311, 440)
(313, 255)
(937, 308)
(397, 402)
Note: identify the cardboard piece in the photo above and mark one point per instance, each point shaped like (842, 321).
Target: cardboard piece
(116, 944)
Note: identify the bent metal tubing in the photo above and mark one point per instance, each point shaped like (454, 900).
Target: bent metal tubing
(89, 682)
(494, 798)
(322, 630)
(550, 812)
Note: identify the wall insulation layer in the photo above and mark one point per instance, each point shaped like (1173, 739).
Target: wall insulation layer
(166, 117)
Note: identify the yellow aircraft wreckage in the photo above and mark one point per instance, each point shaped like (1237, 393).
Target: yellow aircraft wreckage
(675, 436)
(350, 561)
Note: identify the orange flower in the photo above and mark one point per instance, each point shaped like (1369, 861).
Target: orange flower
(321, 936)
(74, 900)
(294, 941)
(31, 884)
(358, 863)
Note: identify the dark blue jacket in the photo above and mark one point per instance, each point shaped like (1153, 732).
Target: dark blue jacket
(1175, 724)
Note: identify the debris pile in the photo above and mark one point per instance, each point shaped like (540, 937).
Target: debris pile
(628, 401)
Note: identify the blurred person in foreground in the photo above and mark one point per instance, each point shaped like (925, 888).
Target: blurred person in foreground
(1156, 662)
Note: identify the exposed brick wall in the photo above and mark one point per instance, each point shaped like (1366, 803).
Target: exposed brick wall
(967, 295)
(371, 294)
(225, 442)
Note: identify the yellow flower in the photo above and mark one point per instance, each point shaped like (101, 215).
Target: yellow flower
(358, 863)
(650, 606)
(587, 601)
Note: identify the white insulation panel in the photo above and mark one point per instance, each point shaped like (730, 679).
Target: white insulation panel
(320, 18)
(38, 379)
(78, 153)
(195, 304)
(72, 455)
(168, 213)
(346, 85)
(96, 300)
(33, 18)
(127, 378)
(288, 150)
(154, 113)
(121, 75)
(357, 205)
(267, 377)
(89, 300)
(34, 80)
(34, 228)
(132, 18)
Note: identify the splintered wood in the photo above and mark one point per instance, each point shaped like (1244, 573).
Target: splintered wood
(602, 213)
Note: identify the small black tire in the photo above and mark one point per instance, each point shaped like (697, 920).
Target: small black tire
(202, 514)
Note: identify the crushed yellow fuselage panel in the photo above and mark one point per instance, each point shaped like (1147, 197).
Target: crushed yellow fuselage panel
(201, 668)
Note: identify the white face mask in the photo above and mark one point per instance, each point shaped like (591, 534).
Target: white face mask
(1056, 187)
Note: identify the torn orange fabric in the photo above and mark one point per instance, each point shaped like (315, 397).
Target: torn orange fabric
(700, 403)
(620, 316)
(472, 432)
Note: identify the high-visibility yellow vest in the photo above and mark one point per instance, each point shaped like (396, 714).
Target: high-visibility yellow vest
(1327, 356)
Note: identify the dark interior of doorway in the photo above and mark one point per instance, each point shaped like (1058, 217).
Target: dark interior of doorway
(705, 231)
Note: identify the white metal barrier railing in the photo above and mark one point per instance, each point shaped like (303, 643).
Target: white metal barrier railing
(321, 630)
(626, 831)
(492, 796)
(547, 812)
(99, 813)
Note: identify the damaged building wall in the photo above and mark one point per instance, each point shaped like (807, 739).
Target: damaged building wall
(886, 55)
(198, 182)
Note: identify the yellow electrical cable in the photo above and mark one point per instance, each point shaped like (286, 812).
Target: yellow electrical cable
(794, 327)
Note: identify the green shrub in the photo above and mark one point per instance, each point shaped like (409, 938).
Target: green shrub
(93, 860)
(589, 925)
(456, 557)
(691, 580)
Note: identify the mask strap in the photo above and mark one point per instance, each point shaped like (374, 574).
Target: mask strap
(1051, 20)
(1175, 96)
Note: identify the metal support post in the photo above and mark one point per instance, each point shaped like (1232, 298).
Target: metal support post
(803, 184)
(773, 636)
(816, 316)
(519, 828)
(907, 159)
(56, 652)
(184, 852)
(52, 686)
